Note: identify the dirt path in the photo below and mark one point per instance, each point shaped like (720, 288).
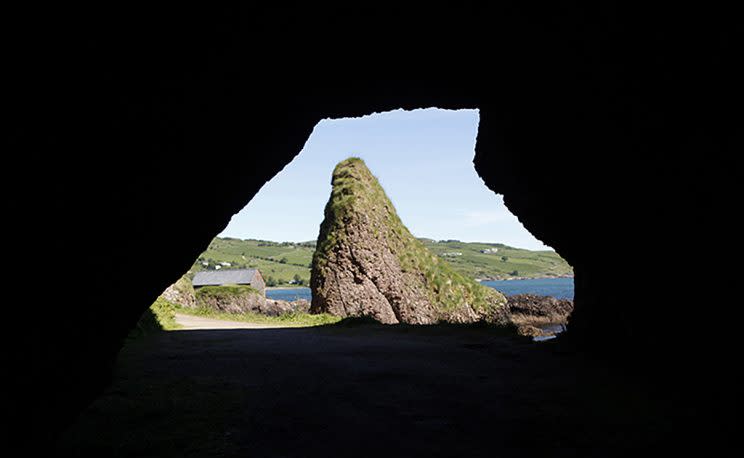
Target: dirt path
(191, 323)
(237, 389)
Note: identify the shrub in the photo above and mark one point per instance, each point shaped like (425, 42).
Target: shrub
(160, 316)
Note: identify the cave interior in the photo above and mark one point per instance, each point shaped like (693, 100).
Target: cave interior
(599, 127)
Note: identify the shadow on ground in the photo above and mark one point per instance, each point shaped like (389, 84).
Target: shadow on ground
(361, 389)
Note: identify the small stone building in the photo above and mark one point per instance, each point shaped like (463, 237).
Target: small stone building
(250, 277)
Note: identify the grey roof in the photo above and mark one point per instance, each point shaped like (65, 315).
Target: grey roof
(224, 277)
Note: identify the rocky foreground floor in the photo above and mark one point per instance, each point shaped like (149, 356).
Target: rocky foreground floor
(362, 390)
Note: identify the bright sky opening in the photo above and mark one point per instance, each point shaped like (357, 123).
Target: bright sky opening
(422, 158)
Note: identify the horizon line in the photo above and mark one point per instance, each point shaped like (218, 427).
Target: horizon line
(415, 236)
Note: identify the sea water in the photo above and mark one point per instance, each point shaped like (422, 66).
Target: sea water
(562, 288)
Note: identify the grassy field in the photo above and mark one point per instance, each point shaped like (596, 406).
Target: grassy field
(281, 261)
(502, 262)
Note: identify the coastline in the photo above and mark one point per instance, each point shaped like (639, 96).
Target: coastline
(284, 287)
(479, 280)
(522, 278)
(559, 288)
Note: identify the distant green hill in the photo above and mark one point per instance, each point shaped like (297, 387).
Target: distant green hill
(497, 261)
(279, 262)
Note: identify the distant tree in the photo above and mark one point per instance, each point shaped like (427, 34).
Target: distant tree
(297, 278)
(504, 258)
(514, 273)
(270, 281)
(283, 260)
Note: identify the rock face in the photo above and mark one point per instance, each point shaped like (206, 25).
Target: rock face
(528, 312)
(539, 309)
(240, 299)
(300, 305)
(181, 292)
(367, 263)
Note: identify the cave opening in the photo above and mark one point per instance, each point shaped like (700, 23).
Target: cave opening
(423, 160)
(197, 376)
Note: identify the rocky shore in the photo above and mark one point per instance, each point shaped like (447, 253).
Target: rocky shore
(530, 313)
(243, 299)
(230, 299)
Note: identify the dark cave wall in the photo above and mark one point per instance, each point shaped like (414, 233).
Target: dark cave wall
(602, 134)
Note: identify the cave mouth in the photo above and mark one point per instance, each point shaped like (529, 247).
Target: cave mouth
(223, 387)
(424, 161)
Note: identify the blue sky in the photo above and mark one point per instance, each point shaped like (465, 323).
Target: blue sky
(422, 158)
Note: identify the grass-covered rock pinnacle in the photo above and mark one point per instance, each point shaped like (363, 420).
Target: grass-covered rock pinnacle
(367, 263)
